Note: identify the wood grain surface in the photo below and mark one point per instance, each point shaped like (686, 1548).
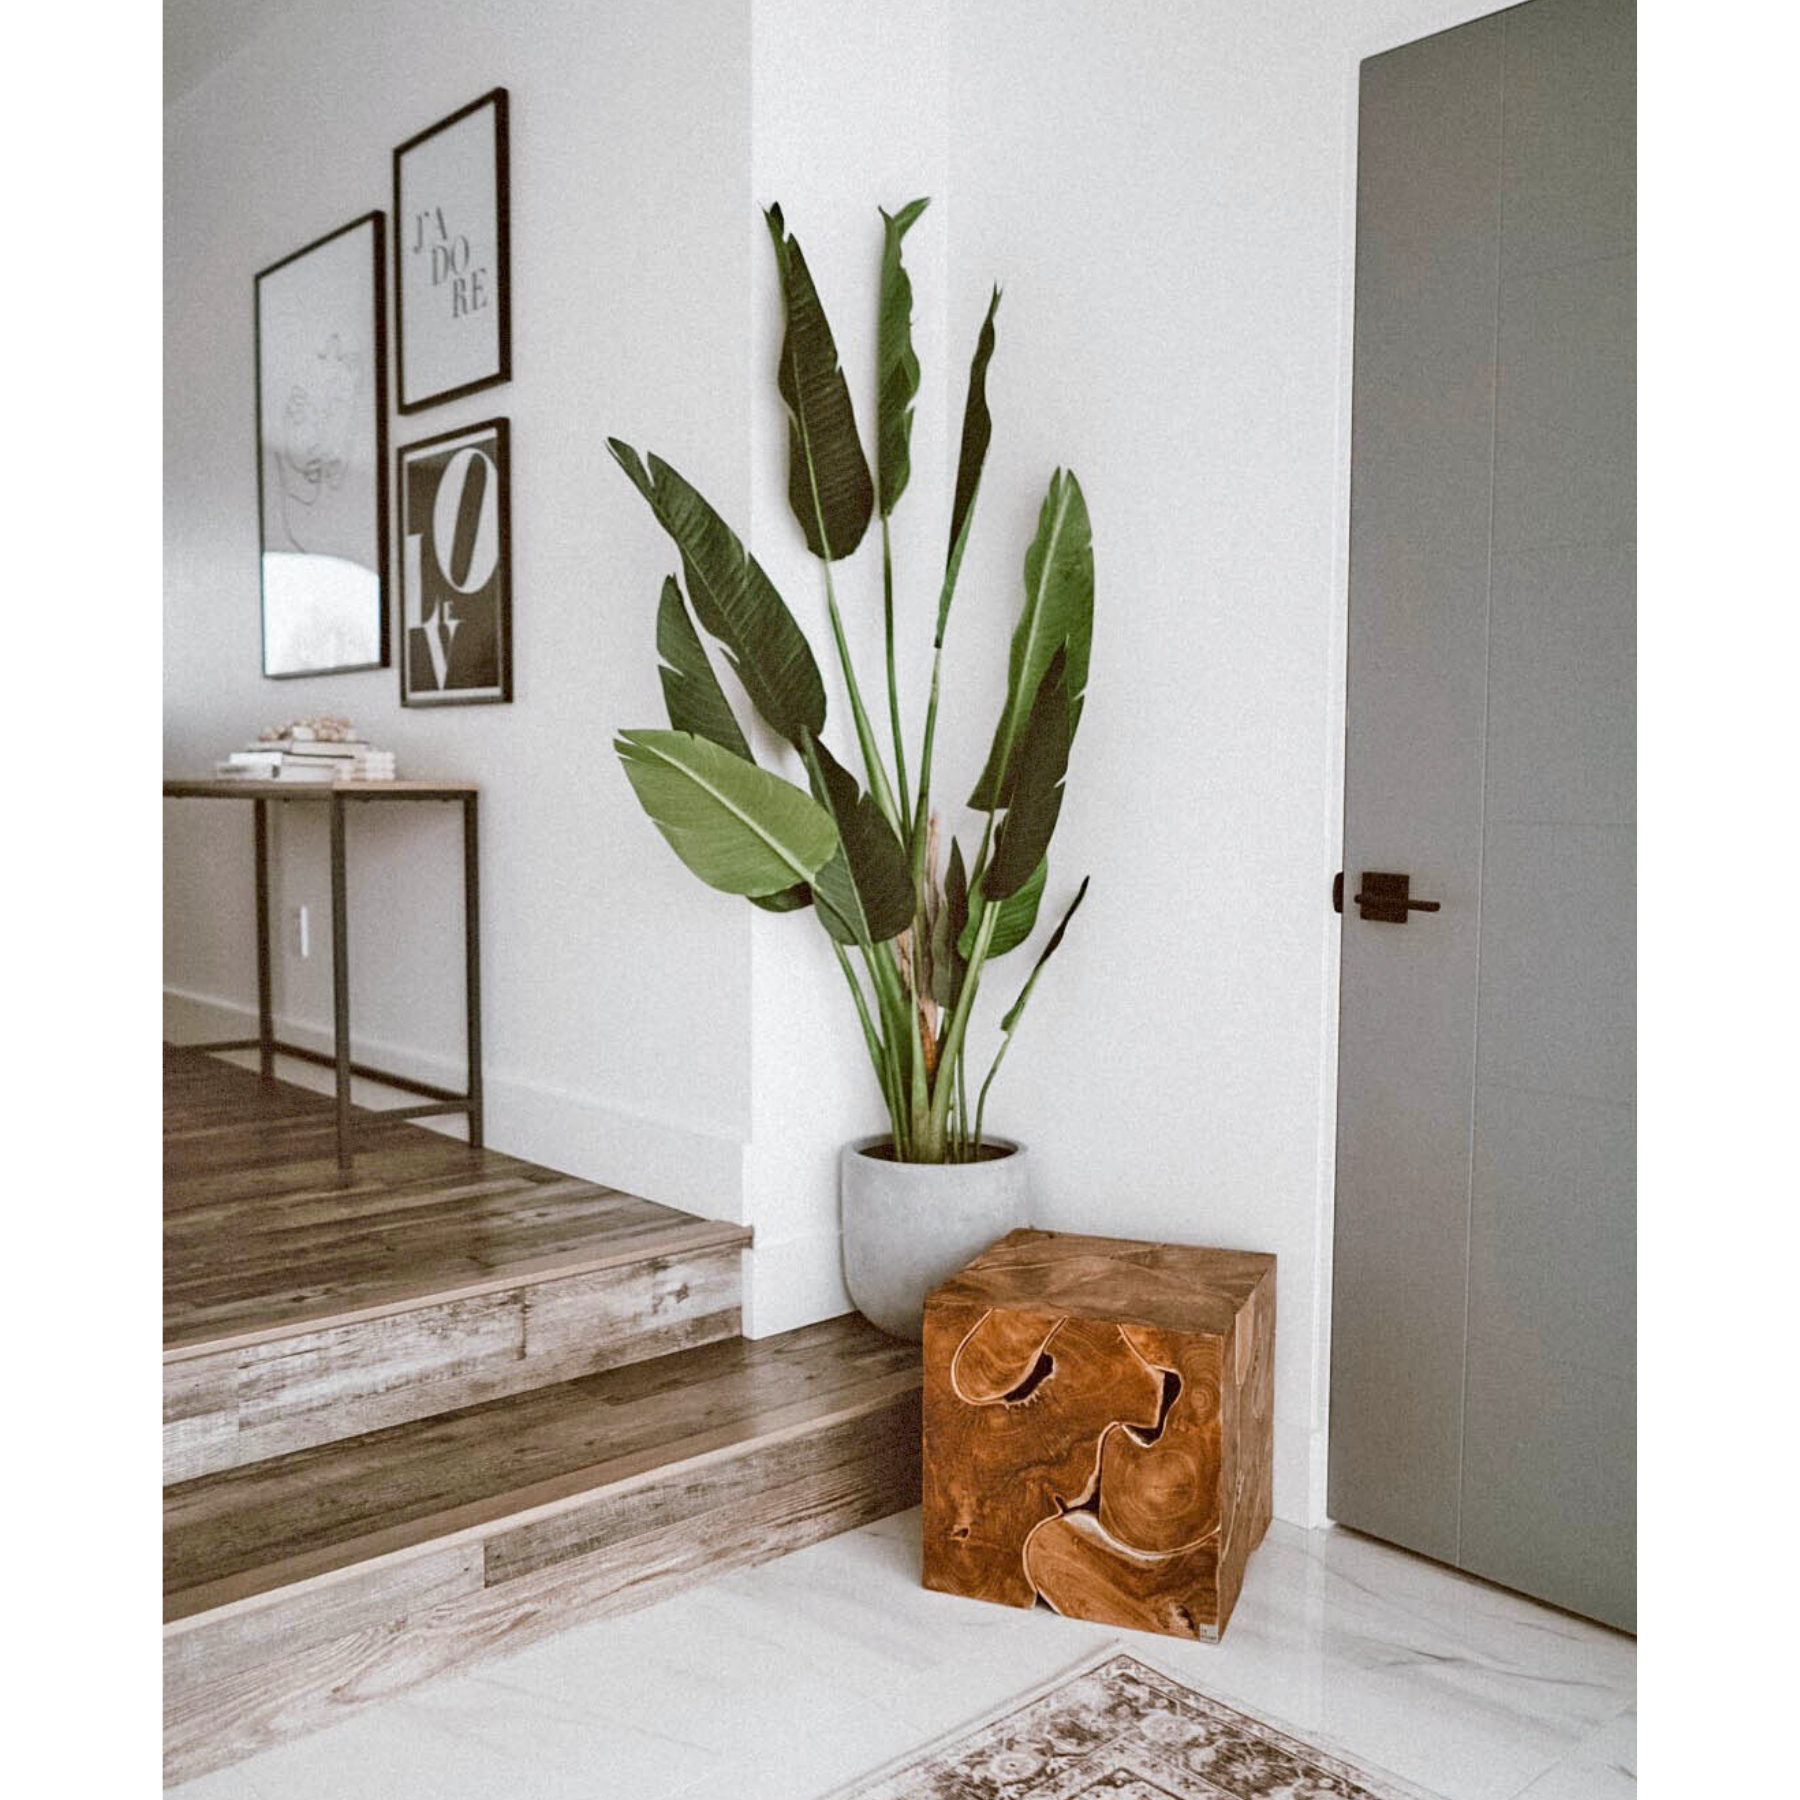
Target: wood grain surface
(303, 1305)
(1098, 1428)
(300, 1589)
(263, 1235)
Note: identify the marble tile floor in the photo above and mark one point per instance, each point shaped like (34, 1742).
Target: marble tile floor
(784, 1681)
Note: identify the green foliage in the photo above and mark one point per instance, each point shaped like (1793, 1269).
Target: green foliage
(828, 480)
(735, 601)
(863, 853)
(739, 828)
(897, 371)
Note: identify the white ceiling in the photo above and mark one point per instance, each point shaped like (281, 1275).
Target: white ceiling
(198, 35)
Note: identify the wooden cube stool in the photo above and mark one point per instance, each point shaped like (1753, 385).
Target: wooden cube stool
(1098, 1428)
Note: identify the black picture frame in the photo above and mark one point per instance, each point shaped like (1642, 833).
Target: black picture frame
(480, 622)
(419, 389)
(323, 452)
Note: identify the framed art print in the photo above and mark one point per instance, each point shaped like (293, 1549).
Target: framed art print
(321, 453)
(451, 256)
(456, 568)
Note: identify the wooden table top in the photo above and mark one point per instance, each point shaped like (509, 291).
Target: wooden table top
(1175, 1287)
(254, 787)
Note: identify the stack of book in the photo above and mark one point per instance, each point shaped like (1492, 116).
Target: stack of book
(318, 750)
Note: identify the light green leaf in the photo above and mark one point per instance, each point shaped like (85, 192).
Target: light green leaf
(735, 601)
(739, 828)
(828, 478)
(1058, 614)
(897, 368)
(1018, 916)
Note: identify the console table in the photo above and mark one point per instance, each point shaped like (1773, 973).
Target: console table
(338, 796)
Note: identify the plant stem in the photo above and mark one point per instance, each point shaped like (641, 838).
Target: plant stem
(893, 680)
(959, 1020)
(865, 736)
(981, 1101)
(947, 593)
(877, 1049)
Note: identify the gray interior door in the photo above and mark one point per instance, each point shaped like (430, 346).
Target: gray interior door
(1483, 1318)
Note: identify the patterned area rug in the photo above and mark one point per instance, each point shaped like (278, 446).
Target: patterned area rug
(1120, 1731)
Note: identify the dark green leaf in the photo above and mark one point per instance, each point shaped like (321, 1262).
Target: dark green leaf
(897, 368)
(977, 430)
(739, 828)
(788, 900)
(1058, 615)
(1017, 1009)
(691, 690)
(735, 601)
(828, 478)
(1018, 917)
(949, 961)
(1035, 793)
(864, 893)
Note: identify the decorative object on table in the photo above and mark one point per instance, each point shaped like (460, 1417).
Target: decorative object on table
(321, 465)
(456, 568)
(451, 256)
(920, 925)
(1098, 1426)
(1120, 1728)
(323, 749)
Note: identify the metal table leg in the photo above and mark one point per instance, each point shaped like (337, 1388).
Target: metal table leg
(472, 962)
(340, 978)
(265, 1008)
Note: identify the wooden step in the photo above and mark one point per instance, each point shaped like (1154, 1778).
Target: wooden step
(302, 1305)
(300, 1588)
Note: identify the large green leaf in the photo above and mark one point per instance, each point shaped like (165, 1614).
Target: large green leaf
(691, 690)
(977, 432)
(1018, 916)
(828, 478)
(1034, 787)
(897, 368)
(949, 961)
(735, 601)
(697, 703)
(1058, 614)
(739, 828)
(1016, 1011)
(864, 893)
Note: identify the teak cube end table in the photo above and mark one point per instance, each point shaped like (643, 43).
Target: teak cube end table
(1098, 1428)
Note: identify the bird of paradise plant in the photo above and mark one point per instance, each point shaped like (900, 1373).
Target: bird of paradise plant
(920, 927)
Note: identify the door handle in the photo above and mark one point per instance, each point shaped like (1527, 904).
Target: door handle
(1386, 899)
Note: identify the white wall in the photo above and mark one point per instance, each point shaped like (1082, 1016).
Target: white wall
(1166, 192)
(617, 991)
(850, 113)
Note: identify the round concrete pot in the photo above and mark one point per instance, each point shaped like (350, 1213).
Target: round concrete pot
(909, 1226)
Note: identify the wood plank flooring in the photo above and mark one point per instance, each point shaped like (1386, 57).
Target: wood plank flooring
(246, 1530)
(263, 1236)
(302, 1587)
(303, 1305)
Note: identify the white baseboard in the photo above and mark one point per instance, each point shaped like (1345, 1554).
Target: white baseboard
(696, 1171)
(795, 1282)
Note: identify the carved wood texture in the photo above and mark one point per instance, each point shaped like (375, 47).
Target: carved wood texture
(1098, 1428)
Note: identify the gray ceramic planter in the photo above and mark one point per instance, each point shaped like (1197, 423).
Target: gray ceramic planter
(909, 1226)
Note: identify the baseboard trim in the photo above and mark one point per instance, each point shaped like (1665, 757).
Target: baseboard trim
(578, 1134)
(793, 1282)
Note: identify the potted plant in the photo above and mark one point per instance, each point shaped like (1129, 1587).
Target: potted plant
(913, 927)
